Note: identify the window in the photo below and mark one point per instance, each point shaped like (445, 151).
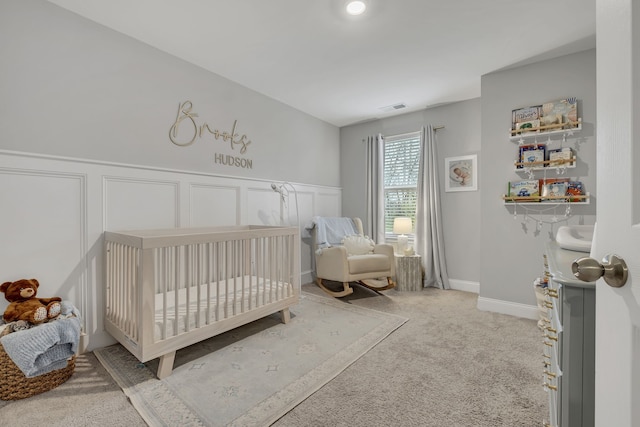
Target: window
(401, 163)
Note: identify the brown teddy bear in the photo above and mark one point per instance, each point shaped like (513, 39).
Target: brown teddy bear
(24, 305)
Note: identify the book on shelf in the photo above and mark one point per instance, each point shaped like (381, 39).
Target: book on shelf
(531, 126)
(575, 188)
(562, 111)
(521, 116)
(524, 191)
(553, 188)
(530, 153)
(565, 153)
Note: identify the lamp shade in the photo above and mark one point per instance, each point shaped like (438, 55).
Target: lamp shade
(402, 225)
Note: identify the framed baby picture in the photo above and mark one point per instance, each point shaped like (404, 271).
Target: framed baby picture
(461, 173)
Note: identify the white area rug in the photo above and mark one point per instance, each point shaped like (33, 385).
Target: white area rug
(254, 374)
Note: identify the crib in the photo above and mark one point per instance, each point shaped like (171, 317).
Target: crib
(168, 289)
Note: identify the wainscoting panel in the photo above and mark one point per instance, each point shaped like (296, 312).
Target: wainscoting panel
(132, 204)
(306, 203)
(328, 204)
(213, 205)
(43, 228)
(263, 206)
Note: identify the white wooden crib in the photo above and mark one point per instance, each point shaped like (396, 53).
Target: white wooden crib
(168, 289)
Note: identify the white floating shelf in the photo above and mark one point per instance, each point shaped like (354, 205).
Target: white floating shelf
(545, 201)
(545, 165)
(543, 132)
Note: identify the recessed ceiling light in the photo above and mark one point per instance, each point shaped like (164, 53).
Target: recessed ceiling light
(356, 7)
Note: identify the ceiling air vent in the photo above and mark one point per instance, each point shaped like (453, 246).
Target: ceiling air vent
(393, 107)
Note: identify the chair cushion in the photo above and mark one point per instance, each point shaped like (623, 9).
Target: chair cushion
(368, 263)
(358, 245)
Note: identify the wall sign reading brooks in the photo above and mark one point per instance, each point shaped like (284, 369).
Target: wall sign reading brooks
(195, 131)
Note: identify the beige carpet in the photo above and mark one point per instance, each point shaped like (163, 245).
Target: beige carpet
(449, 365)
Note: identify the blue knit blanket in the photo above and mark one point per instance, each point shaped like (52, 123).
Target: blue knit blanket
(331, 230)
(44, 348)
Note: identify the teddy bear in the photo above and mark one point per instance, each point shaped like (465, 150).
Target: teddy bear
(24, 305)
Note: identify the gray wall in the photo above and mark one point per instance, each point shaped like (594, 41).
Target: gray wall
(483, 242)
(511, 254)
(70, 87)
(460, 136)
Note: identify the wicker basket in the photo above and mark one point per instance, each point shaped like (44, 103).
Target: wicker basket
(15, 385)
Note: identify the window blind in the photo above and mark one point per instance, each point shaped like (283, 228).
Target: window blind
(401, 163)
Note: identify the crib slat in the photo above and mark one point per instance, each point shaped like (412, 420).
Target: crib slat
(199, 283)
(217, 278)
(209, 281)
(225, 267)
(176, 299)
(243, 273)
(231, 277)
(127, 296)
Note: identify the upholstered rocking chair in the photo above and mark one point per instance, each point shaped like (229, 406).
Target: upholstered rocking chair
(343, 254)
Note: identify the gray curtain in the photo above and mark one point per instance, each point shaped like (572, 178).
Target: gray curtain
(375, 188)
(429, 241)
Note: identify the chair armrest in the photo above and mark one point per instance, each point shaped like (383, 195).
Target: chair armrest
(386, 249)
(332, 264)
(383, 248)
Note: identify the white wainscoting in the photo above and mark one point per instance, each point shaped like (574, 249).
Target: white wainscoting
(132, 204)
(55, 210)
(214, 204)
(326, 203)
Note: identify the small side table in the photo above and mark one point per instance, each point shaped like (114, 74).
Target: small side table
(408, 273)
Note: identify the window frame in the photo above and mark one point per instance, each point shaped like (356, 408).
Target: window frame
(412, 138)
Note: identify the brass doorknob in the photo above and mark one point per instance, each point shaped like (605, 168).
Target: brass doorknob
(613, 269)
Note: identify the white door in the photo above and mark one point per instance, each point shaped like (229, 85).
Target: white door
(618, 212)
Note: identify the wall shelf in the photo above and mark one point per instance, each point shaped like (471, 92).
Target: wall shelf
(546, 201)
(546, 165)
(545, 131)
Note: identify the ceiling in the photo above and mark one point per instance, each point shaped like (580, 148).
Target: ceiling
(311, 55)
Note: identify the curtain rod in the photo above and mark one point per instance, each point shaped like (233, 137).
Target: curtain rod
(402, 135)
(409, 133)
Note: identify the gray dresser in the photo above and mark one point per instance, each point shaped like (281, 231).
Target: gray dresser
(569, 342)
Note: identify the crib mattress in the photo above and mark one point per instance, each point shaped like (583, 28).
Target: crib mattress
(178, 312)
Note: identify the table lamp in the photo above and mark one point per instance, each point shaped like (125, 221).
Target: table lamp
(402, 226)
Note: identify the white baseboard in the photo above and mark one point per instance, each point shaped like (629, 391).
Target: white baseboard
(510, 308)
(464, 285)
